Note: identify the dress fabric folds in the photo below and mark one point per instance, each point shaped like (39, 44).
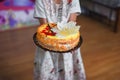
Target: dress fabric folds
(58, 66)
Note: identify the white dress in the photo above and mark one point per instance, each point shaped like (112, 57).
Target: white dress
(51, 65)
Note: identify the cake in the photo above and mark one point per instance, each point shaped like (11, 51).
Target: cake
(58, 37)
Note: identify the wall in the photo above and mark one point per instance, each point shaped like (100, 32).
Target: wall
(16, 14)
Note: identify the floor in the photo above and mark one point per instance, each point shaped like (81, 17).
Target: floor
(100, 51)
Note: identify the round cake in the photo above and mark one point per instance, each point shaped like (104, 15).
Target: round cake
(58, 37)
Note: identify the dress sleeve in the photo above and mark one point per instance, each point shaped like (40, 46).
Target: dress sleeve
(39, 10)
(75, 7)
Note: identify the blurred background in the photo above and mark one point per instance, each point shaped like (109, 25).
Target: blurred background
(15, 14)
(100, 30)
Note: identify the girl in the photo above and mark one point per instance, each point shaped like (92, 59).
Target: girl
(51, 65)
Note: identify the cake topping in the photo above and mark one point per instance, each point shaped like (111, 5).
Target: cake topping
(47, 31)
(64, 29)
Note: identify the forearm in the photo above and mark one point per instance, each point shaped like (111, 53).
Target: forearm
(73, 17)
(42, 21)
